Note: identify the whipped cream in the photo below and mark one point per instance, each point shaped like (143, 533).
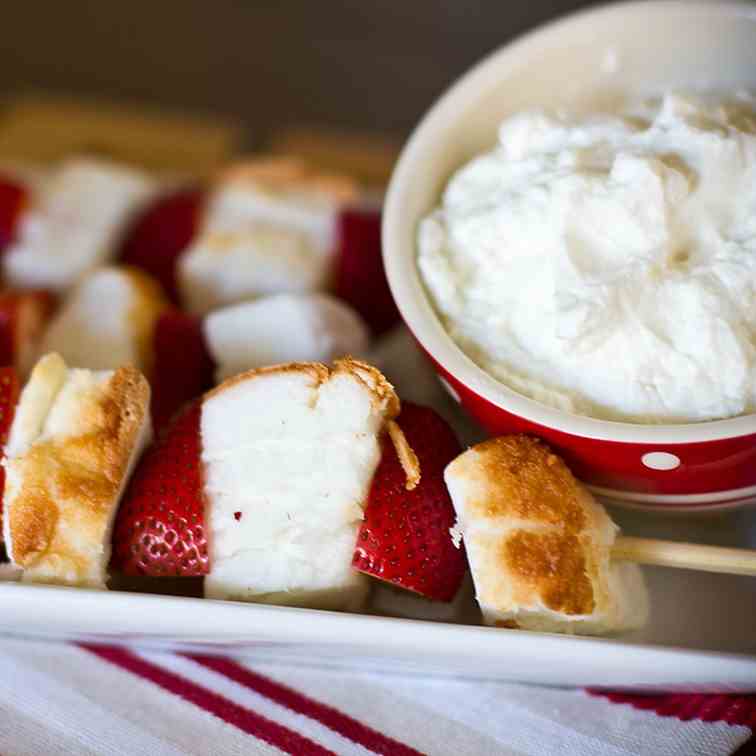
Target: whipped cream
(606, 265)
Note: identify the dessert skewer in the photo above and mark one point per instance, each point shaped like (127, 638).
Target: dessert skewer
(545, 555)
(264, 226)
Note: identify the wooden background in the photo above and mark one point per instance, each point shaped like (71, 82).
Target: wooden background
(369, 66)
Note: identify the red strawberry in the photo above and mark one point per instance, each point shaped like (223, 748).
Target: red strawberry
(13, 198)
(183, 368)
(23, 315)
(159, 236)
(10, 387)
(160, 526)
(404, 538)
(360, 277)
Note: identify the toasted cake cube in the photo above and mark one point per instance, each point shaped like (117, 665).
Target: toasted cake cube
(282, 328)
(74, 224)
(107, 321)
(218, 270)
(269, 227)
(285, 489)
(75, 438)
(539, 544)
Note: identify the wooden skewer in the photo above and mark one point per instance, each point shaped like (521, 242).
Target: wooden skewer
(687, 556)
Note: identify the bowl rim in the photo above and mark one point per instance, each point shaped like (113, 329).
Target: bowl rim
(412, 299)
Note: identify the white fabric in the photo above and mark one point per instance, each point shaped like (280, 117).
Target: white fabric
(441, 716)
(60, 699)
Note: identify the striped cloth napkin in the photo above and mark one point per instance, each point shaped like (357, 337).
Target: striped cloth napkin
(103, 700)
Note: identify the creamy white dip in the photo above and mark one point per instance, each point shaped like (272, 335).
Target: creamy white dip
(607, 265)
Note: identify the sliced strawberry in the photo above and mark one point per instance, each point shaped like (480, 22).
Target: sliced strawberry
(10, 388)
(360, 277)
(404, 538)
(13, 199)
(160, 234)
(23, 316)
(183, 368)
(160, 526)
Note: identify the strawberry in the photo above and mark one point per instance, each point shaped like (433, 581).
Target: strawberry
(160, 234)
(183, 368)
(10, 388)
(404, 538)
(13, 198)
(23, 315)
(360, 277)
(160, 526)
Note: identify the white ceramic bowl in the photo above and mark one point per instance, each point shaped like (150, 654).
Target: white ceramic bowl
(586, 60)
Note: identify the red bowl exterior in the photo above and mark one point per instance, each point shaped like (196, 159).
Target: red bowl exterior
(707, 467)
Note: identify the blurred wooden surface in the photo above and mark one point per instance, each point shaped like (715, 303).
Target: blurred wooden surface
(367, 66)
(44, 128)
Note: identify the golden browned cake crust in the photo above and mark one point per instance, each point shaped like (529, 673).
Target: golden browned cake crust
(282, 173)
(384, 396)
(531, 483)
(407, 457)
(316, 370)
(68, 486)
(382, 392)
(554, 565)
(534, 535)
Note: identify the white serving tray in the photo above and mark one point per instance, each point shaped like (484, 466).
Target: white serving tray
(702, 634)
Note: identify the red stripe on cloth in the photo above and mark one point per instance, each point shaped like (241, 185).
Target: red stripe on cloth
(244, 719)
(734, 710)
(332, 718)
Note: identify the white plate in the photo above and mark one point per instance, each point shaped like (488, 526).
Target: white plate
(702, 635)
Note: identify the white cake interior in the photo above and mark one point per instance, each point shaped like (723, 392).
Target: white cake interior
(288, 463)
(258, 239)
(107, 321)
(75, 223)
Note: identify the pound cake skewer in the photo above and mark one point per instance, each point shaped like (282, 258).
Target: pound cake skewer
(545, 555)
